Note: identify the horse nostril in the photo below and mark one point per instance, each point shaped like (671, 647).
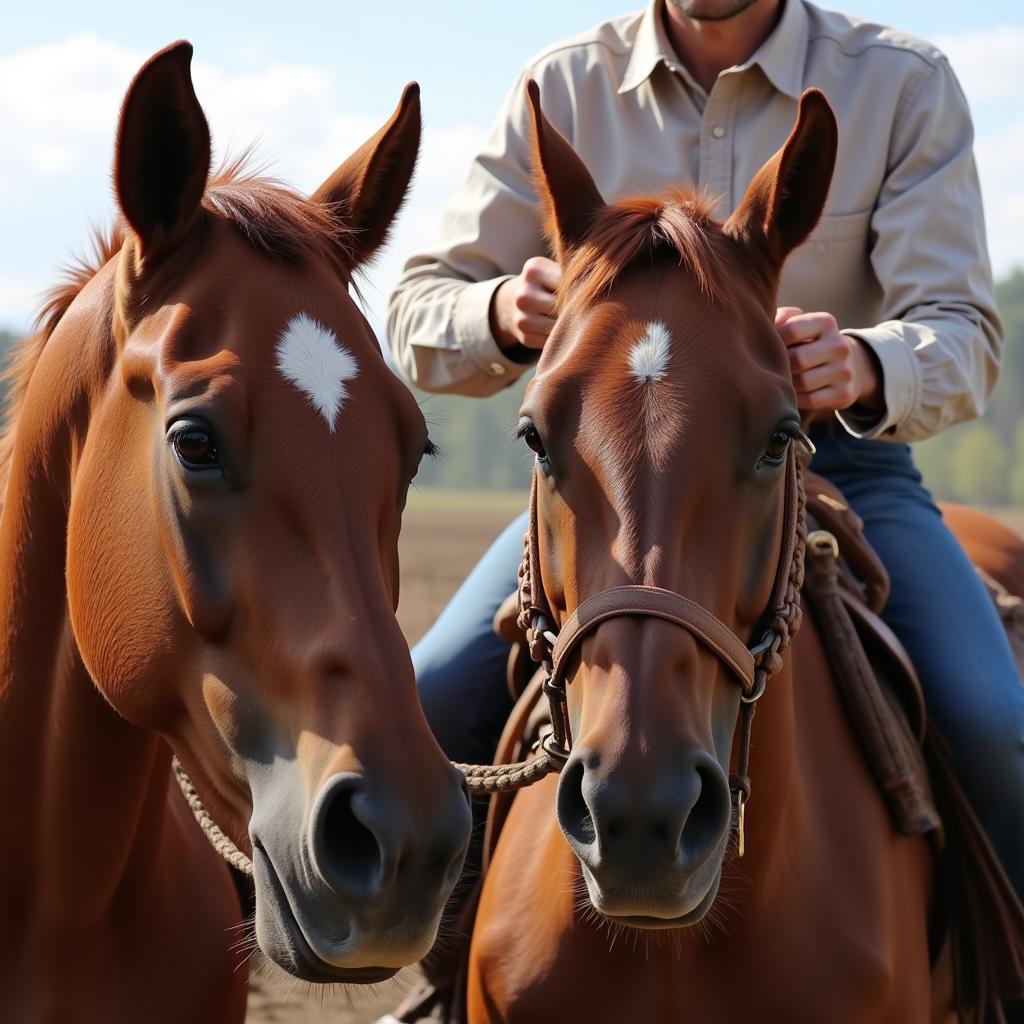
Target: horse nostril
(346, 852)
(709, 815)
(573, 810)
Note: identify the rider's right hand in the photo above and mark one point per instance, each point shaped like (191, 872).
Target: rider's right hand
(523, 307)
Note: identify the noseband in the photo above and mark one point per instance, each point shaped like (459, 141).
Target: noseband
(751, 666)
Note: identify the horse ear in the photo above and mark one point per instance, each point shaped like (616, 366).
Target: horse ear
(786, 197)
(564, 186)
(162, 157)
(370, 186)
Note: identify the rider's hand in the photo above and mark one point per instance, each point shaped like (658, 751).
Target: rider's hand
(831, 371)
(523, 308)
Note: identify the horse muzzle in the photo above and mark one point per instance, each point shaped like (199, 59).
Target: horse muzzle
(651, 845)
(353, 890)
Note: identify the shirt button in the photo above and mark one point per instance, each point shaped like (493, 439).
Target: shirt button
(718, 131)
(497, 369)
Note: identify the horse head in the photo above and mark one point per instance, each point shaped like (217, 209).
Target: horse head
(239, 481)
(664, 423)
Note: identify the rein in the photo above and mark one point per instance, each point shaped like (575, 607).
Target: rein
(750, 666)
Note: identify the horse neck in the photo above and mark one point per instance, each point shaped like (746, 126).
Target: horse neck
(75, 777)
(805, 768)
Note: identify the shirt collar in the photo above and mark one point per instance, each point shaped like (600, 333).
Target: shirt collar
(781, 56)
(650, 48)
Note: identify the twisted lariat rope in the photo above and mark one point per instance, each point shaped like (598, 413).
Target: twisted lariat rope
(500, 778)
(220, 842)
(480, 778)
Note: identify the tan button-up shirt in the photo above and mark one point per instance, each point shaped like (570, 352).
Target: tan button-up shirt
(899, 256)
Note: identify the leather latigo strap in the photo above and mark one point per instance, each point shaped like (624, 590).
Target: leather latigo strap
(892, 751)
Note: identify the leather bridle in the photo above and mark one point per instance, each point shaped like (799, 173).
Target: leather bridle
(750, 665)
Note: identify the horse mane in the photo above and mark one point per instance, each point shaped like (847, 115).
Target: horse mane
(629, 230)
(274, 219)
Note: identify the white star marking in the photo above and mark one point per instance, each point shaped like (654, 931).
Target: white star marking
(309, 355)
(648, 358)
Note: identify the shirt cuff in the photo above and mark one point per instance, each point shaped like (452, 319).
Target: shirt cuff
(472, 327)
(899, 383)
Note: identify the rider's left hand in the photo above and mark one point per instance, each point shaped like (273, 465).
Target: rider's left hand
(831, 370)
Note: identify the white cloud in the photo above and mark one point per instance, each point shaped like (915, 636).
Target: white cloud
(987, 62)
(20, 295)
(1001, 167)
(59, 105)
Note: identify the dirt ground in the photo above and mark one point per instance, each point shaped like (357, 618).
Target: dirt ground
(443, 535)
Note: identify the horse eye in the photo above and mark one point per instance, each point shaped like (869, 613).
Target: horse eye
(531, 435)
(195, 447)
(777, 447)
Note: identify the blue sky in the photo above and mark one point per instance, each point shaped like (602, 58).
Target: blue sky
(464, 53)
(310, 80)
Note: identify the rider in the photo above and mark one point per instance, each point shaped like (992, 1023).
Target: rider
(888, 313)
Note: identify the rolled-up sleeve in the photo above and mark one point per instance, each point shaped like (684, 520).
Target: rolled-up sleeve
(940, 344)
(439, 313)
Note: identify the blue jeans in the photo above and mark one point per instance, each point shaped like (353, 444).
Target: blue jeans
(938, 608)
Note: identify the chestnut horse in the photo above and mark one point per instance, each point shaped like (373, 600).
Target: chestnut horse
(205, 472)
(665, 428)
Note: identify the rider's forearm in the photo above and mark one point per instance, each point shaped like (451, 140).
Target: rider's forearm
(440, 336)
(939, 366)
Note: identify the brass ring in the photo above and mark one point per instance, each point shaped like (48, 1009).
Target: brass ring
(823, 539)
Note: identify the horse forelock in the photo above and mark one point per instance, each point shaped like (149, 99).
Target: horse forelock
(274, 218)
(629, 230)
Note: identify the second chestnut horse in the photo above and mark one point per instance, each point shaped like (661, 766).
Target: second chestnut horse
(664, 423)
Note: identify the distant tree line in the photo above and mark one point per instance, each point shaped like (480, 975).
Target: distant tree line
(982, 462)
(7, 339)
(978, 463)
